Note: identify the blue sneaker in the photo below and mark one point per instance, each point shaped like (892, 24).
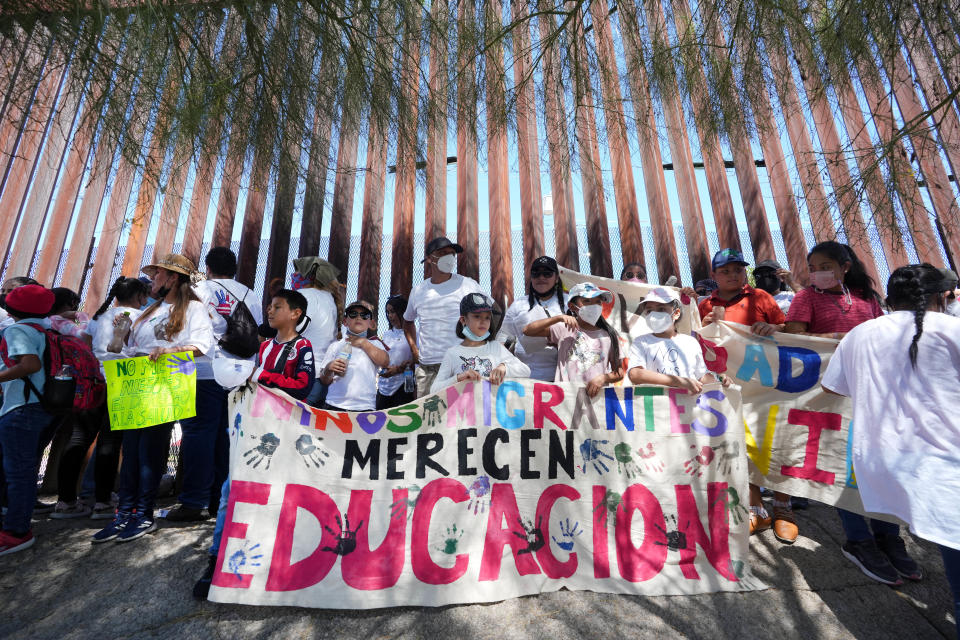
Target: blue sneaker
(112, 530)
(139, 525)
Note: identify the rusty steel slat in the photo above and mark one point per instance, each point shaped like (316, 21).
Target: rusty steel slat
(528, 153)
(176, 184)
(404, 199)
(945, 44)
(371, 226)
(248, 255)
(226, 213)
(341, 215)
(316, 187)
(435, 192)
(467, 223)
(905, 181)
(278, 248)
(199, 207)
(17, 108)
(694, 231)
(558, 147)
(713, 163)
(498, 175)
(52, 159)
(654, 180)
(851, 215)
(624, 190)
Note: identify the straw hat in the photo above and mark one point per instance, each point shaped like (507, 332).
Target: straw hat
(171, 262)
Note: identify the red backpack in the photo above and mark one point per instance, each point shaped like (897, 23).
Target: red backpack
(85, 391)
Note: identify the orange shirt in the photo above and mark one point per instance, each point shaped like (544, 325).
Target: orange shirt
(747, 307)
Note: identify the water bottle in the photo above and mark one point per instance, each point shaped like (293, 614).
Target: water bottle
(409, 384)
(345, 351)
(120, 331)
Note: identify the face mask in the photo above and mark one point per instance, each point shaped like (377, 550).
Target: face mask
(590, 314)
(162, 293)
(355, 335)
(823, 279)
(771, 283)
(954, 308)
(470, 335)
(638, 280)
(659, 321)
(447, 263)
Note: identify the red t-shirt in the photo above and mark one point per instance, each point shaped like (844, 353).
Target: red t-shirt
(826, 312)
(747, 307)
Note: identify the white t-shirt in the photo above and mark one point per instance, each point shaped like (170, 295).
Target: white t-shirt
(148, 334)
(356, 390)
(399, 351)
(437, 308)
(101, 331)
(783, 300)
(482, 359)
(5, 320)
(537, 353)
(906, 428)
(322, 330)
(223, 293)
(677, 356)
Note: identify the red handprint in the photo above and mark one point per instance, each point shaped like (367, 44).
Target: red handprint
(694, 466)
(715, 357)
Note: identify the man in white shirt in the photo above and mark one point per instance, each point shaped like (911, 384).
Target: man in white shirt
(430, 321)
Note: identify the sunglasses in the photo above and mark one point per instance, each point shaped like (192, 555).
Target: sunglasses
(630, 274)
(365, 315)
(541, 274)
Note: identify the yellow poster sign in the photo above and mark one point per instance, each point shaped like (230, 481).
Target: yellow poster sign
(142, 393)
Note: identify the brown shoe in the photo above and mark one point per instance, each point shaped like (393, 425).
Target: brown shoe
(784, 525)
(758, 524)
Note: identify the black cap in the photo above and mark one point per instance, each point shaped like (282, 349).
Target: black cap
(473, 302)
(949, 278)
(767, 264)
(440, 243)
(545, 262)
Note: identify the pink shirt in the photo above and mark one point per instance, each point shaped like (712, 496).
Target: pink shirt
(826, 312)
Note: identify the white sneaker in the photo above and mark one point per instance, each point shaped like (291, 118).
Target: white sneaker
(65, 510)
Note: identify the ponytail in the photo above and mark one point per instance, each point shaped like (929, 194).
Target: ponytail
(533, 298)
(913, 288)
(123, 289)
(614, 355)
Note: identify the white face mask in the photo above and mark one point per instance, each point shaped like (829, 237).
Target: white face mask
(659, 321)
(447, 263)
(954, 308)
(590, 313)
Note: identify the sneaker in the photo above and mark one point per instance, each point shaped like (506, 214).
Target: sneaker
(873, 562)
(43, 508)
(136, 527)
(10, 543)
(784, 525)
(66, 510)
(202, 587)
(896, 552)
(759, 523)
(103, 511)
(185, 514)
(112, 530)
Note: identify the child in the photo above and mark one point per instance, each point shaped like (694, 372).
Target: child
(588, 347)
(666, 357)
(479, 356)
(390, 389)
(350, 364)
(285, 362)
(23, 422)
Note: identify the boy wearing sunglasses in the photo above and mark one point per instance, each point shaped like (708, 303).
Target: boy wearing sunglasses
(350, 364)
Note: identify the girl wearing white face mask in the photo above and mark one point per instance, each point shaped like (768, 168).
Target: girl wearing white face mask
(666, 357)
(588, 347)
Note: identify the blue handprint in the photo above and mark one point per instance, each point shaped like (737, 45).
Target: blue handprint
(184, 365)
(236, 431)
(567, 534)
(242, 557)
(591, 452)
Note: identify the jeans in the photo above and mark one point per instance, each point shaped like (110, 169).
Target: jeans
(21, 431)
(221, 518)
(145, 453)
(951, 563)
(318, 394)
(205, 448)
(858, 529)
(88, 426)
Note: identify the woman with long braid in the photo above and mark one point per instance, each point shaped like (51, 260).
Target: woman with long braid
(901, 372)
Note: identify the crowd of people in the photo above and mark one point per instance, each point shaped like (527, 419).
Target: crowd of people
(894, 355)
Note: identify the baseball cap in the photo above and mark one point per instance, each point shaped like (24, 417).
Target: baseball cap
(727, 256)
(767, 264)
(949, 278)
(589, 290)
(440, 243)
(545, 262)
(708, 283)
(363, 304)
(662, 295)
(474, 302)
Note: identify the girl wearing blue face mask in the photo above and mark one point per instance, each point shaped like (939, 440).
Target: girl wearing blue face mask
(479, 356)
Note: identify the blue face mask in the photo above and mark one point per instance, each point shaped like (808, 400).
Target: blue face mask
(470, 335)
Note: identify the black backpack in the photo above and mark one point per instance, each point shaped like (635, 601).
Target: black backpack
(240, 338)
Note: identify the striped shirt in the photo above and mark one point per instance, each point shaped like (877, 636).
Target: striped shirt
(296, 375)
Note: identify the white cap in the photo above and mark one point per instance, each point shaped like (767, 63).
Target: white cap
(589, 290)
(662, 295)
(231, 372)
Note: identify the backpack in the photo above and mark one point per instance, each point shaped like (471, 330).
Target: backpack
(240, 338)
(86, 390)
